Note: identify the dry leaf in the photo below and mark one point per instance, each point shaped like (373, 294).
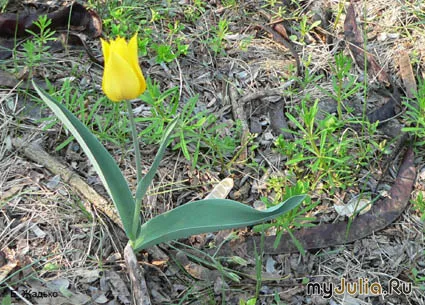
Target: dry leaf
(406, 74)
(360, 203)
(221, 190)
(354, 36)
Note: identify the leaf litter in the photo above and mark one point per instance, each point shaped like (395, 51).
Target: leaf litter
(76, 239)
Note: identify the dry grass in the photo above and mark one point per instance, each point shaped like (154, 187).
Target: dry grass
(56, 240)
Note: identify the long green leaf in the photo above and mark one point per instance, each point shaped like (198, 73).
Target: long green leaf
(144, 183)
(104, 164)
(207, 215)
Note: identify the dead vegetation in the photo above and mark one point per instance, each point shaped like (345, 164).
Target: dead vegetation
(55, 242)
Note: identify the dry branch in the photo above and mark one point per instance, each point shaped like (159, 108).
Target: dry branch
(36, 153)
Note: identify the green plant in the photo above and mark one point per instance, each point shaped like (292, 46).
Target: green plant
(415, 115)
(308, 77)
(419, 204)
(344, 84)
(6, 300)
(417, 278)
(164, 53)
(277, 299)
(316, 146)
(304, 28)
(325, 151)
(338, 14)
(192, 218)
(229, 3)
(168, 53)
(194, 11)
(244, 43)
(121, 20)
(44, 33)
(174, 47)
(212, 262)
(109, 126)
(199, 134)
(218, 34)
(283, 188)
(35, 47)
(270, 4)
(156, 16)
(258, 266)
(3, 5)
(251, 301)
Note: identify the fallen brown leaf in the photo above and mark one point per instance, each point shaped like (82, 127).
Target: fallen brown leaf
(74, 19)
(382, 214)
(406, 74)
(355, 40)
(74, 16)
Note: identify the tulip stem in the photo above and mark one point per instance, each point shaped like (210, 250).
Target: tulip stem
(135, 140)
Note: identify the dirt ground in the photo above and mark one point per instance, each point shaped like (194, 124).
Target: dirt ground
(57, 247)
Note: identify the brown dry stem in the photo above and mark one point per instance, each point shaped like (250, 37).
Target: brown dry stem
(36, 153)
(137, 278)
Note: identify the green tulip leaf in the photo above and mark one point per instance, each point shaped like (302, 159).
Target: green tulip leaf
(144, 183)
(104, 164)
(204, 216)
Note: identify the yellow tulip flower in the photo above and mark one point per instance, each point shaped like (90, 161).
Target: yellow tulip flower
(122, 77)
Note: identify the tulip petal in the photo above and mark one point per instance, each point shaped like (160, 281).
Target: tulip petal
(105, 49)
(122, 77)
(119, 46)
(120, 81)
(133, 59)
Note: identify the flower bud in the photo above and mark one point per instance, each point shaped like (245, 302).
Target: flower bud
(122, 77)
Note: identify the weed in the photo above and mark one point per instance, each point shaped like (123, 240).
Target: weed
(251, 301)
(45, 34)
(229, 3)
(344, 84)
(338, 14)
(308, 77)
(317, 154)
(270, 4)
(6, 300)
(415, 115)
(325, 155)
(107, 125)
(166, 54)
(419, 205)
(244, 43)
(120, 20)
(277, 299)
(283, 188)
(418, 278)
(3, 4)
(175, 46)
(199, 132)
(36, 47)
(304, 29)
(218, 34)
(258, 273)
(211, 262)
(193, 12)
